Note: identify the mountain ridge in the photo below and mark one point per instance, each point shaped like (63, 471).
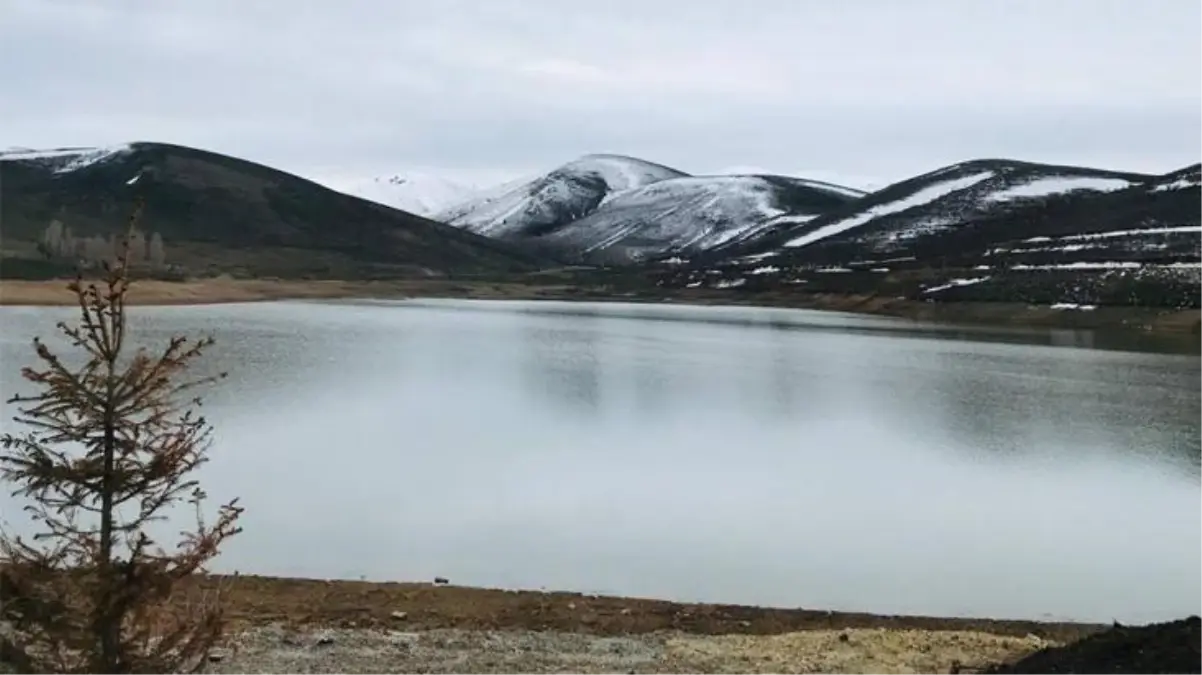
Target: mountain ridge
(226, 213)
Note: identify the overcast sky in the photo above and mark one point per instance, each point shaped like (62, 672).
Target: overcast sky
(864, 91)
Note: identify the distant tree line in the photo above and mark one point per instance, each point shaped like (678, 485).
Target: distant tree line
(58, 242)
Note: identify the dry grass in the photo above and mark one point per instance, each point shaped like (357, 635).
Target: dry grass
(878, 650)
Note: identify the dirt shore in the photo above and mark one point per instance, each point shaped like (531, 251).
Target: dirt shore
(301, 625)
(1140, 321)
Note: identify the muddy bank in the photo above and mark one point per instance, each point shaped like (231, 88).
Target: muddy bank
(1173, 324)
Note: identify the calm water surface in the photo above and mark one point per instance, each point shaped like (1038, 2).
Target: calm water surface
(744, 455)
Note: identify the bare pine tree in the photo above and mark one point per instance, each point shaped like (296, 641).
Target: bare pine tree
(68, 246)
(137, 247)
(157, 255)
(52, 238)
(109, 447)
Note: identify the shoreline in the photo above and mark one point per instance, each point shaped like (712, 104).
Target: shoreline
(279, 624)
(1145, 321)
(255, 600)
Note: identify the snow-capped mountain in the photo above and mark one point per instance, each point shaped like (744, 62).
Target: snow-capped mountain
(420, 193)
(623, 209)
(537, 206)
(988, 230)
(695, 213)
(950, 198)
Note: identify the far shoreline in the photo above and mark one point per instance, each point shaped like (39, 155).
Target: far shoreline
(1145, 321)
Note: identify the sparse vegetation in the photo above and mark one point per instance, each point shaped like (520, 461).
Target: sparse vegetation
(110, 444)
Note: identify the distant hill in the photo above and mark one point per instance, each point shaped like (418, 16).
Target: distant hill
(686, 215)
(217, 213)
(531, 208)
(987, 230)
(614, 208)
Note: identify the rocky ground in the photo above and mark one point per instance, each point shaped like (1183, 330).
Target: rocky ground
(277, 649)
(299, 625)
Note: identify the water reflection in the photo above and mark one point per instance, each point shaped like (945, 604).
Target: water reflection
(561, 365)
(733, 455)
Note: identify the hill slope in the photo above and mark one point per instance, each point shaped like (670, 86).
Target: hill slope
(542, 204)
(621, 209)
(989, 230)
(696, 213)
(222, 214)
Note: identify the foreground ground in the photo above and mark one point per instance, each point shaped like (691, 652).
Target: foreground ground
(298, 625)
(1186, 322)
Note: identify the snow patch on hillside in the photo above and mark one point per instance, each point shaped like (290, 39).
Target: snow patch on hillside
(1048, 186)
(65, 160)
(419, 193)
(1179, 184)
(924, 196)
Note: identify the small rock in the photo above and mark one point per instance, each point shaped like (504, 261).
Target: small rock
(571, 605)
(745, 624)
(625, 611)
(217, 655)
(843, 637)
(400, 616)
(324, 639)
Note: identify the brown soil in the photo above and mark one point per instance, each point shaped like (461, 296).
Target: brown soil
(255, 600)
(1184, 323)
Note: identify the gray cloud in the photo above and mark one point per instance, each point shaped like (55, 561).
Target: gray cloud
(486, 89)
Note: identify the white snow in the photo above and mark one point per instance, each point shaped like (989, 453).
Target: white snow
(729, 283)
(953, 283)
(926, 195)
(1117, 233)
(882, 270)
(1179, 184)
(1112, 265)
(766, 269)
(758, 256)
(415, 192)
(1055, 185)
(66, 160)
(832, 270)
(133, 180)
(674, 260)
(1073, 305)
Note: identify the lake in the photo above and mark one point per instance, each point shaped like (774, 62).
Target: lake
(762, 456)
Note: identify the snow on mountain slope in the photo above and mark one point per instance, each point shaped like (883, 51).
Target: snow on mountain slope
(947, 199)
(922, 197)
(65, 160)
(695, 213)
(1048, 186)
(419, 193)
(1181, 179)
(544, 203)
